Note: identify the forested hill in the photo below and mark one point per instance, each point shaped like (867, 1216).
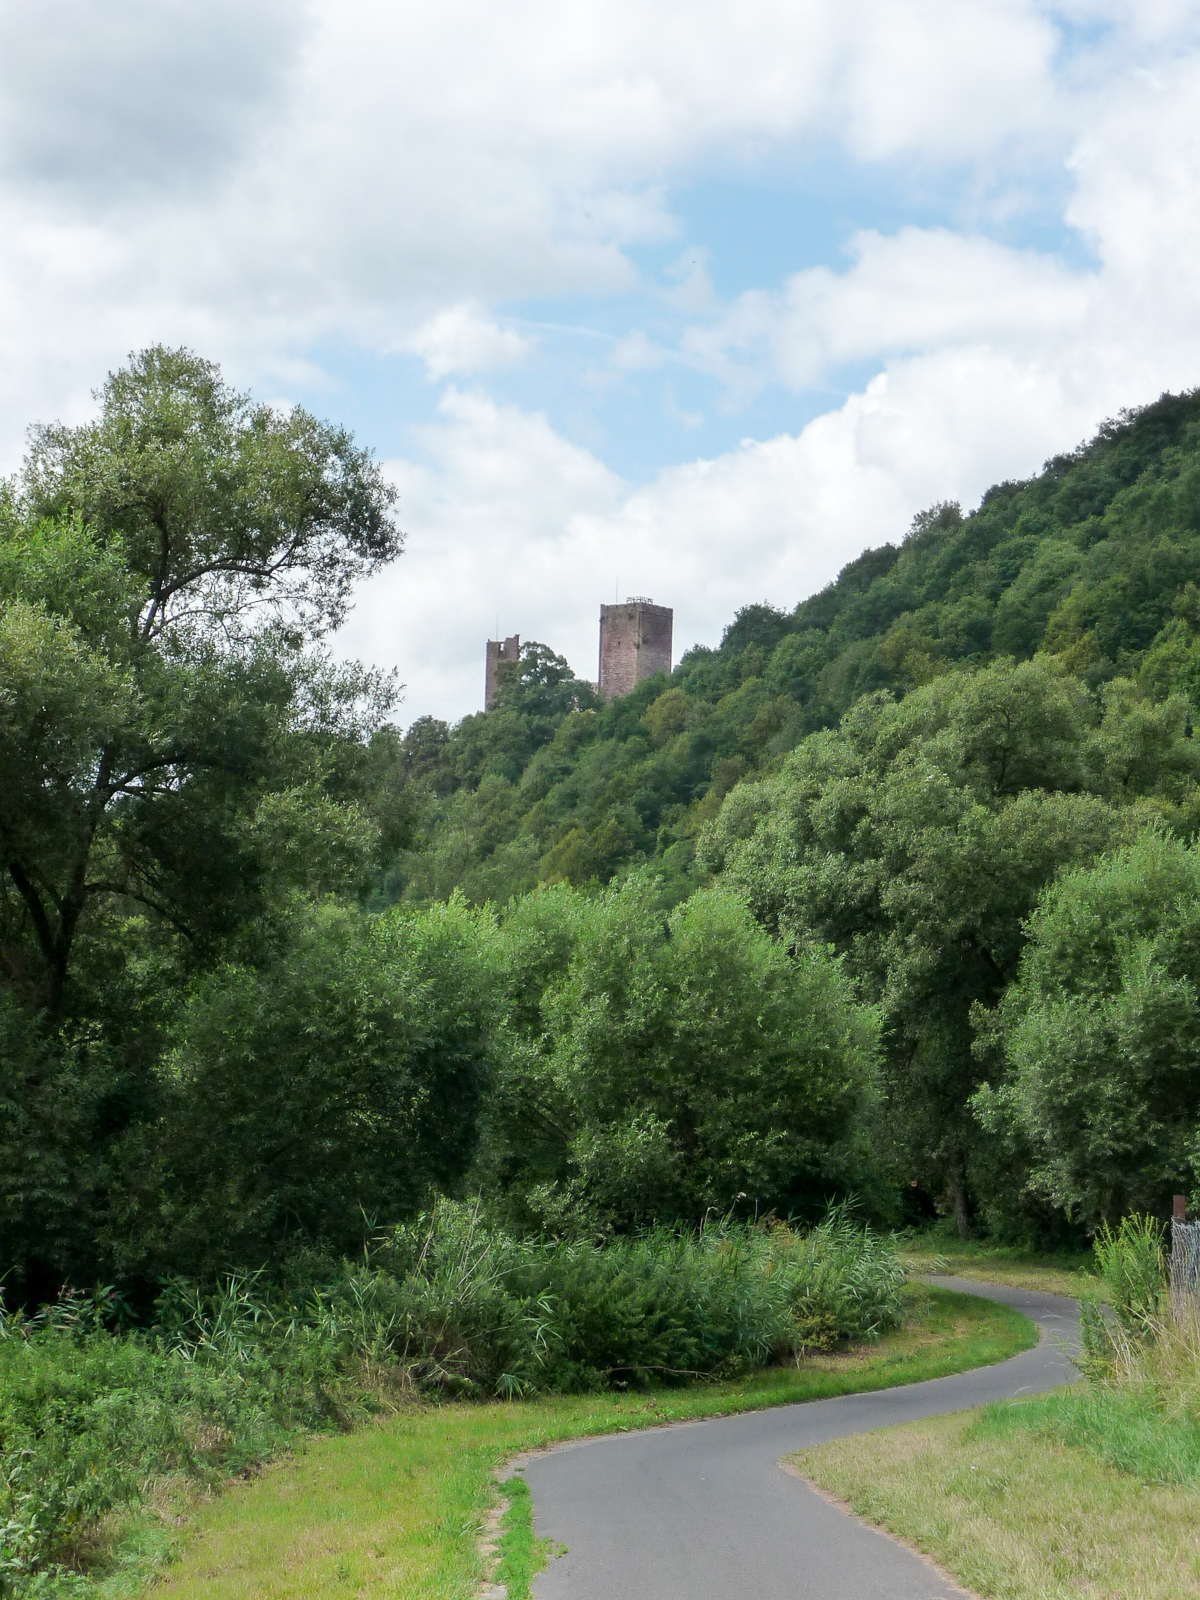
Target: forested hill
(1094, 561)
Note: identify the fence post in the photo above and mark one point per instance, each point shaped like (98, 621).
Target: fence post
(1185, 1261)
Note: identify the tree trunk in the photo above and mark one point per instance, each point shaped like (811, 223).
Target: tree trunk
(958, 1194)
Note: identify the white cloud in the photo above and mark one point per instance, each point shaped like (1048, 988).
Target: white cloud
(274, 176)
(83, 116)
(1122, 329)
(265, 179)
(636, 353)
(512, 529)
(920, 289)
(462, 339)
(948, 80)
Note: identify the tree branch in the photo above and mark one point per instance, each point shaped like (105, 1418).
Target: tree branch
(37, 911)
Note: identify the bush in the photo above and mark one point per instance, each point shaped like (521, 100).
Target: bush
(1118, 1321)
(1102, 1033)
(90, 1415)
(472, 1309)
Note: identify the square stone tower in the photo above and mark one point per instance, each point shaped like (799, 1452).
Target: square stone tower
(635, 643)
(497, 651)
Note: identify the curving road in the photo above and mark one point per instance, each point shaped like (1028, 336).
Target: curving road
(704, 1511)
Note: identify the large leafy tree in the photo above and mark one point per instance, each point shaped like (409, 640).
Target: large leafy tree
(1102, 1034)
(666, 1062)
(169, 739)
(312, 1095)
(917, 837)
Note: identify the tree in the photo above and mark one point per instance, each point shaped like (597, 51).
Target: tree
(223, 508)
(1102, 1034)
(917, 837)
(330, 1087)
(679, 1062)
(167, 734)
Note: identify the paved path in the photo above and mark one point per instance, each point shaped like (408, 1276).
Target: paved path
(704, 1511)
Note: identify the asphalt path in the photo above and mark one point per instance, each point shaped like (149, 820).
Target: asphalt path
(705, 1511)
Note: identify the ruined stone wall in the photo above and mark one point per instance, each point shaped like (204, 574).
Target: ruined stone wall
(509, 650)
(635, 643)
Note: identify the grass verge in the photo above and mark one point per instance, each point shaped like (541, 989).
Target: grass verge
(396, 1508)
(522, 1553)
(1060, 1272)
(1016, 1513)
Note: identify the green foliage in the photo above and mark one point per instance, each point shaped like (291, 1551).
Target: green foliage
(59, 1095)
(166, 739)
(1102, 1031)
(1128, 1313)
(1094, 561)
(338, 1082)
(659, 1063)
(916, 838)
(1133, 1268)
(220, 507)
(90, 1417)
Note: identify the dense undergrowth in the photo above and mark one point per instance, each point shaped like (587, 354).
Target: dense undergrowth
(93, 1413)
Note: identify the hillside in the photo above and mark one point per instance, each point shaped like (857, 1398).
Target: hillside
(1094, 560)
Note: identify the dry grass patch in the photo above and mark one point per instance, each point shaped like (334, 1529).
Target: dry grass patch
(1017, 1517)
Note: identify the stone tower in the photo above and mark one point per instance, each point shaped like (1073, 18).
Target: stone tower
(635, 643)
(509, 650)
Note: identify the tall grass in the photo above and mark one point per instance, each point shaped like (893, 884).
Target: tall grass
(1140, 1410)
(1133, 1270)
(90, 1414)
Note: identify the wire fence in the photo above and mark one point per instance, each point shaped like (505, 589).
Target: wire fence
(1185, 1267)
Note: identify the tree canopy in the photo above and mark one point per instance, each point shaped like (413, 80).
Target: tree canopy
(661, 1063)
(1102, 1034)
(892, 895)
(917, 837)
(1095, 561)
(166, 725)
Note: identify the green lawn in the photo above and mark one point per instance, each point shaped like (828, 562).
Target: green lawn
(1015, 1514)
(396, 1509)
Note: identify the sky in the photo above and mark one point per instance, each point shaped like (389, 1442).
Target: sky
(659, 297)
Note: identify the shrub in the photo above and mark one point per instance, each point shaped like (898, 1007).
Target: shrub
(1102, 1033)
(90, 1414)
(1128, 1313)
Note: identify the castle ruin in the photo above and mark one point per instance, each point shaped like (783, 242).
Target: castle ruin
(635, 643)
(499, 651)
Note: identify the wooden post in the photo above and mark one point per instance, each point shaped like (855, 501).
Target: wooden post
(1179, 1208)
